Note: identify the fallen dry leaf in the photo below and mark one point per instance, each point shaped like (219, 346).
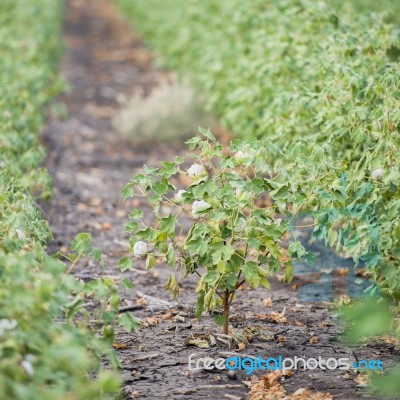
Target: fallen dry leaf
(198, 342)
(106, 226)
(277, 317)
(267, 302)
(389, 339)
(269, 387)
(342, 271)
(178, 318)
(135, 394)
(314, 340)
(306, 394)
(167, 316)
(324, 325)
(267, 338)
(141, 301)
(361, 380)
(298, 323)
(344, 300)
(241, 346)
(151, 321)
(119, 346)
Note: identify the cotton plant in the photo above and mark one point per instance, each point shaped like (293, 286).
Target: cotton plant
(231, 240)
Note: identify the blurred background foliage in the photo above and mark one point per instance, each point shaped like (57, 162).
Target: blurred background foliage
(46, 351)
(390, 8)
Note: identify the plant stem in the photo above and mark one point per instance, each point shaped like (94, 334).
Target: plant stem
(226, 312)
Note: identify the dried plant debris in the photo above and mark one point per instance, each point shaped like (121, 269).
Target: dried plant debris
(269, 387)
(168, 113)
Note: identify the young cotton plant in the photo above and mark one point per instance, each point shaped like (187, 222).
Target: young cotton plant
(218, 227)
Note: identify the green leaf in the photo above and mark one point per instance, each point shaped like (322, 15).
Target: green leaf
(124, 264)
(219, 319)
(280, 193)
(173, 286)
(127, 192)
(162, 237)
(200, 305)
(97, 255)
(171, 255)
(220, 250)
(136, 213)
(207, 133)
(81, 243)
(221, 266)
(197, 246)
(211, 277)
(193, 142)
(150, 261)
(179, 160)
(148, 234)
(131, 226)
(126, 283)
(296, 249)
(250, 272)
(231, 281)
(129, 322)
(288, 274)
(168, 224)
(168, 169)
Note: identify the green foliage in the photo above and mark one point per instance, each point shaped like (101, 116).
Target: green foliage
(366, 319)
(371, 319)
(390, 8)
(291, 69)
(47, 352)
(231, 239)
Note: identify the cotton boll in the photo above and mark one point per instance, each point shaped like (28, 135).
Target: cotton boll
(196, 171)
(199, 206)
(27, 366)
(378, 174)
(178, 196)
(140, 249)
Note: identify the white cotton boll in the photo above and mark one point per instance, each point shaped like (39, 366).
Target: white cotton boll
(241, 226)
(238, 192)
(278, 221)
(179, 194)
(196, 170)
(140, 249)
(7, 325)
(378, 174)
(20, 234)
(199, 206)
(240, 155)
(27, 366)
